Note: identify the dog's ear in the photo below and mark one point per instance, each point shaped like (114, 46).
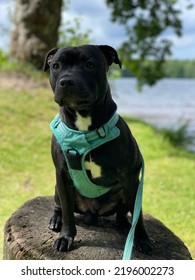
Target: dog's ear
(48, 58)
(110, 54)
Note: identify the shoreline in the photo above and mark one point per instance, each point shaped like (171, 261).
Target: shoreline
(167, 105)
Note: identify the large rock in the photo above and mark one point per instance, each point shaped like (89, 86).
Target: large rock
(27, 237)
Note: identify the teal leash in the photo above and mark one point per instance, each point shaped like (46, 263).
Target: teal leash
(127, 255)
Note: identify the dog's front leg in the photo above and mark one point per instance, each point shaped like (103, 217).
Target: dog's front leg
(55, 223)
(66, 197)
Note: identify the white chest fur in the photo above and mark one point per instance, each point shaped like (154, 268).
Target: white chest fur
(94, 168)
(82, 123)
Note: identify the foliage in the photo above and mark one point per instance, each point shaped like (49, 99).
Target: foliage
(3, 58)
(70, 34)
(14, 65)
(171, 69)
(178, 136)
(146, 23)
(179, 68)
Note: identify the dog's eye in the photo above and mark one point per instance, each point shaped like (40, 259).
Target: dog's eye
(56, 66)
(90, 65)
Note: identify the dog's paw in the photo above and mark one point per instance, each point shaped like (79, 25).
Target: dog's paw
(55, 223)
(63, 244)
(143, 245)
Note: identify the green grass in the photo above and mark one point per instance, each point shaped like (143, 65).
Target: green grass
(8, 65)
(26, 169)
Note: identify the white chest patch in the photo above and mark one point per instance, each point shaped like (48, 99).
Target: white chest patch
(94, 168)
(82, 123)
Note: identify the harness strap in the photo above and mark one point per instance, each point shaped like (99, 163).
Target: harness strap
(90, 136)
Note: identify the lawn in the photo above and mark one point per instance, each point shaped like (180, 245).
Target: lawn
(26, 169)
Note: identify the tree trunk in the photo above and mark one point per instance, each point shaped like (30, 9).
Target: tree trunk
(27, 237)
(35, 30)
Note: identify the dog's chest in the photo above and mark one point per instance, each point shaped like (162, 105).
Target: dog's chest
(93, 168)
(83, 123)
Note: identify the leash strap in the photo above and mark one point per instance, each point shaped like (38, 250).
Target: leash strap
(127, 255)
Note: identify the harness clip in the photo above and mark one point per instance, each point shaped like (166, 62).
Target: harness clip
(74, 158)
(101, 132)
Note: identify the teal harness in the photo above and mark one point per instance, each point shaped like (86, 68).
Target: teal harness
(75, 146)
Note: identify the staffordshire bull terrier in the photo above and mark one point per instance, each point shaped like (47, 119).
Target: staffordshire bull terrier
(96, 158)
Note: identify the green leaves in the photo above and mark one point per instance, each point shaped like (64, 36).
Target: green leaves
(70, 34)
(146, 23)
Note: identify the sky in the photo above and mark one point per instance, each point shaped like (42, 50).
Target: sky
(95, 15)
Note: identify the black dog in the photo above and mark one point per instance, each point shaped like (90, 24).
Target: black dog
(78, 80)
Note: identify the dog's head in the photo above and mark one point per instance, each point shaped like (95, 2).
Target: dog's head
(78, 74)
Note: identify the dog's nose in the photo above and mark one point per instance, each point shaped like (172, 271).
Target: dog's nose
(66, 83)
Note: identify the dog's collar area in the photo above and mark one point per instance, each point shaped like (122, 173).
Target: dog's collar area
(90, 136)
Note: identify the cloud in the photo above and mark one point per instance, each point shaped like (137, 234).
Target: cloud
(6, 8)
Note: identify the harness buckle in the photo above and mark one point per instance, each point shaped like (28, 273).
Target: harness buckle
(101, 132)
(74, 159)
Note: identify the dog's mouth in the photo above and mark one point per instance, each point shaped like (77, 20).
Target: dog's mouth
(81, 105)
(73, 104)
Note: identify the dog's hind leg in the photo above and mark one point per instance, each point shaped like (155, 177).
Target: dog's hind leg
(142, 241)
(121, 218)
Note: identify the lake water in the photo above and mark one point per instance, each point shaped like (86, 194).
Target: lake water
(167, 104)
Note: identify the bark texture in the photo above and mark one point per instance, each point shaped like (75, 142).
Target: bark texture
(35, 29)
(28, 238)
